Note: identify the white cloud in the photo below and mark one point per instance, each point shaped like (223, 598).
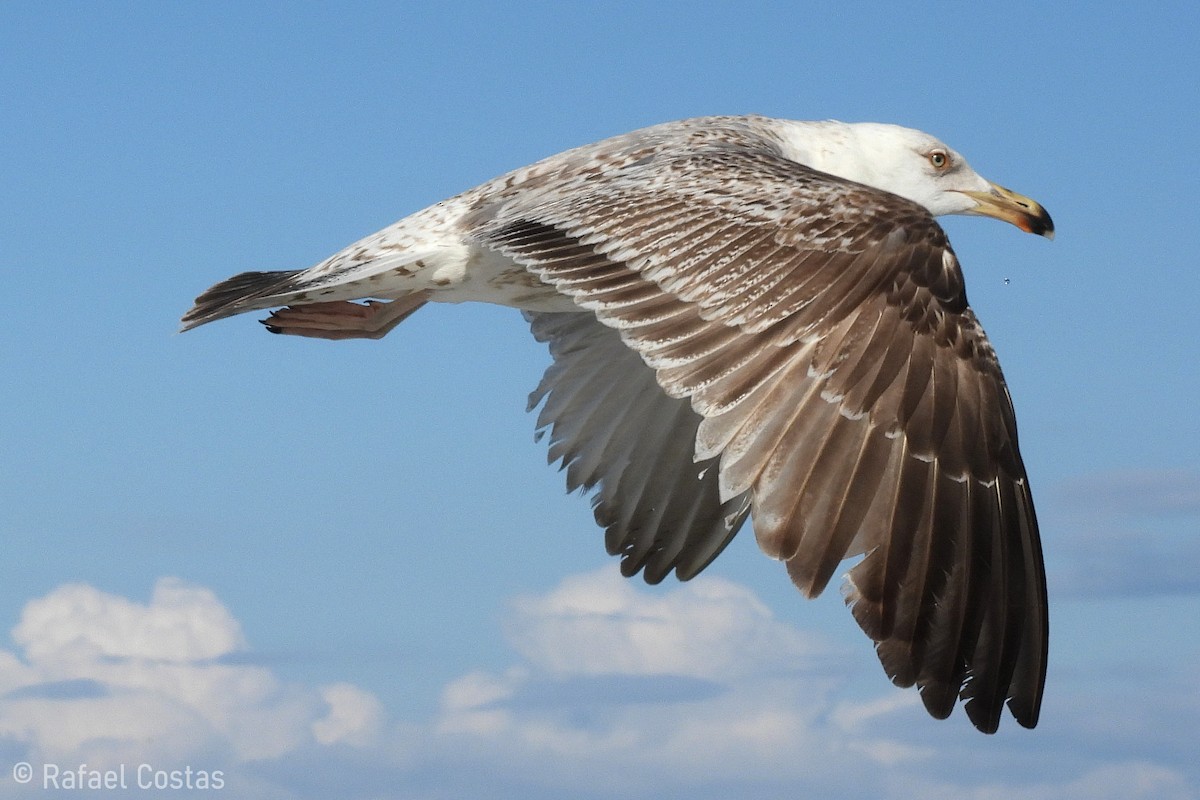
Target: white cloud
(696, 690)
(354, 716)
(105, 680)
(699, 688)
(696, 684)
(599, 623)
(78, 623)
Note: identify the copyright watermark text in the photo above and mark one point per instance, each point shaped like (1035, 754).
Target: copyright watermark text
(123, 776)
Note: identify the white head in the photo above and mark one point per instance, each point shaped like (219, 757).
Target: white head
(911, 164)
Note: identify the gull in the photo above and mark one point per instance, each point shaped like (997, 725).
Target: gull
(751, 318)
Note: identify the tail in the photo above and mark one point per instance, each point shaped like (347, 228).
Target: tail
(248, 291)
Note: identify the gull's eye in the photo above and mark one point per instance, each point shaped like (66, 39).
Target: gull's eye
(940, 159)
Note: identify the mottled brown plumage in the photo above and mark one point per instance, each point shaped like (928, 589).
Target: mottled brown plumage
(748, 318)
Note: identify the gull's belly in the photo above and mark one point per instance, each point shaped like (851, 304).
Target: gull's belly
(490, 277)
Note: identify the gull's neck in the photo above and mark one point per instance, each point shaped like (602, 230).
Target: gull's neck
(829, 146)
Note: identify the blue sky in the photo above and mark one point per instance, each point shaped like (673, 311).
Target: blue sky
(343, 569)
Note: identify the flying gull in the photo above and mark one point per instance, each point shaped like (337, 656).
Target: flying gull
(751, 317)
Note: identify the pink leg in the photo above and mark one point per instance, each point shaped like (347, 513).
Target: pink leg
(372, 319)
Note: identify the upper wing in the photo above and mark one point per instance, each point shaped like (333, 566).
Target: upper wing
(821, 331)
